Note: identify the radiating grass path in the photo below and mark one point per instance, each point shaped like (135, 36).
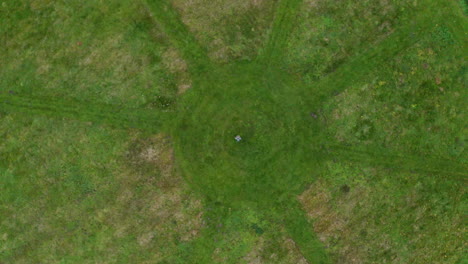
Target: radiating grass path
(282, 149)
(115, 116)
(283, 23)
(169, 20)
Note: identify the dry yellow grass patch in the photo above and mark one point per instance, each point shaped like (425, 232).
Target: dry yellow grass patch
(331, 224)
(173, 61)
(363, 224)
(175, 64)
(255, 255)
(38, 5)
(292, 256)
(217, 25)
(115, 60)
(157, 152)
(154, 203)
(310, 4)
(107, 63)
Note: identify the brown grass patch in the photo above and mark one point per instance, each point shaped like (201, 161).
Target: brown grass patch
(173, 61)
(332, 225)
(290, 253)
(382, 220)
(87, 59)
(154, 155)
(229, 29)
(154, 204)
(294, 255)
(175, 64)
(39, 5)
(255, 255)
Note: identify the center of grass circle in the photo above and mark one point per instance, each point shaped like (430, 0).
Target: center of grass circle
(241, 100)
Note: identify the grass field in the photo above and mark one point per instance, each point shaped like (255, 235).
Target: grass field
(118, 121)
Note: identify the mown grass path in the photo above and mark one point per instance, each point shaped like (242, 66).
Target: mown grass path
(111, 115)
(169, 21)
(283, 148)
(284, 21)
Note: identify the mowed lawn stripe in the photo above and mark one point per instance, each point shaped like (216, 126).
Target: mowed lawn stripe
(361, 65)
(367, 63)
(387, 158)
(180, 37)
(301, 232)
(112, 115)
(283, 23)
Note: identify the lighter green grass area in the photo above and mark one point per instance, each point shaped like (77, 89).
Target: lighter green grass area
(375, 177)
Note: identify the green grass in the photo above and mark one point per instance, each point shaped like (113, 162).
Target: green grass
(179, 36)
(384, 80)
(284, 20)
(112, 115)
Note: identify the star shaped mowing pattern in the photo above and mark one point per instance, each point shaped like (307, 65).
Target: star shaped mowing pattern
(285, 142)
